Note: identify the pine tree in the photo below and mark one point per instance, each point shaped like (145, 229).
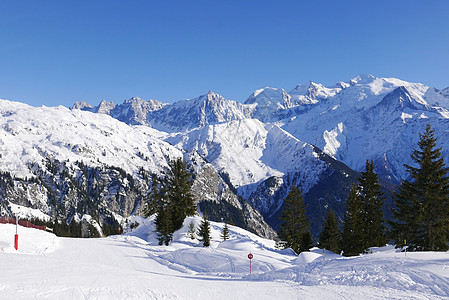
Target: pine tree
(295, 223)
(330, 236)
(225, 232)
(178, 185)
(372, 198)
(353, 236)
(154, 199)
(306, 242)
(191, 232)
(164, 225)
(204, 232)
(421, 209)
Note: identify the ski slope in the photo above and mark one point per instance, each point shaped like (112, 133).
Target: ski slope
(133, 266)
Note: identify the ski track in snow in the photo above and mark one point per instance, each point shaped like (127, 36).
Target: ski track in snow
(132, 267)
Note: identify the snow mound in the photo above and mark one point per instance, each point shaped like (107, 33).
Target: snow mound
(306, 257)
(31, 241)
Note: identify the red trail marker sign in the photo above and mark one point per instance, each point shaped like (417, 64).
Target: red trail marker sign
(250, 256)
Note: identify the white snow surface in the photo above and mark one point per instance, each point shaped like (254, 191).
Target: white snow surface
(133, 266)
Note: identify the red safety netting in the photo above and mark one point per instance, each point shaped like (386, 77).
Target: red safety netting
(8, 220)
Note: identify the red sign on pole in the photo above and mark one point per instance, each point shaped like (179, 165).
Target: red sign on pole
(16, 237)
(250, 256)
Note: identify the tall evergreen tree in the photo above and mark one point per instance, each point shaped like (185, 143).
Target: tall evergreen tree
(204, 232)
(178, 186)
(372, 198)
(295, 223)
(330, 236)
(421, 209)
(353, 236)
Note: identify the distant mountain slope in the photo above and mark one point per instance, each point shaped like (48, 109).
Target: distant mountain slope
(374, 118)
(363, 118)
(70, 162)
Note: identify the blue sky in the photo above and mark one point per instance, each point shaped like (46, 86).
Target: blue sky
(58, 52)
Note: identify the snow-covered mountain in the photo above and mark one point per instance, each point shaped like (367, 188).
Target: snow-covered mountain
(276, 138)
(363, 118)
(262, 161)
(374, 118)
(70, 162)
(204, 110)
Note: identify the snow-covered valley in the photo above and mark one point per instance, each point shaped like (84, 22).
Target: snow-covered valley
(133, 266)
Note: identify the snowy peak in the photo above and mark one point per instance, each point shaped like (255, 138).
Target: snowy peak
(312, 93)
(134, 111)
(270, 98)
(104, 107)
(362, 79)
(207, 109)
(83, 105)
(400, 99)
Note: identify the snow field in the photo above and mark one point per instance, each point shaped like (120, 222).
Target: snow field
(133, 266)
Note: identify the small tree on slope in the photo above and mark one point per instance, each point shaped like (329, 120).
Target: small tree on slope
(225, 232)
(204, 232)
(295, 226)
(421, 209)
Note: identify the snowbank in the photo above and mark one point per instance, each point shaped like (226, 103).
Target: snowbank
(31, 241)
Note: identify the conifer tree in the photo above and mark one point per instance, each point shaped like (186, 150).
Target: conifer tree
(295, 224)
(178, 186)
(204, 232)
(225, 232)
(353, 236)
(164, 225)
(421, 209)
(191, 232)
(155, 198)
(372, 198)
(306, 241)
(330, 236)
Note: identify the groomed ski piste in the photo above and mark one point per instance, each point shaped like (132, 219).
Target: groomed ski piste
(134, 266)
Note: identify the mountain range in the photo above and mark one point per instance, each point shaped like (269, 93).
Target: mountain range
(315, 137)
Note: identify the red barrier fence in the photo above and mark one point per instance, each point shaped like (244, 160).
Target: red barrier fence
(8, 220)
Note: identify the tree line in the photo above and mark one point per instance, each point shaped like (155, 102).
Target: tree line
(420, 212)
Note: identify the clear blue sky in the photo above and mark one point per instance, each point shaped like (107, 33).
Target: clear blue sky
(59, 52)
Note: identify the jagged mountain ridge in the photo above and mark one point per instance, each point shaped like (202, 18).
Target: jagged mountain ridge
(332, 118)
(69, 162)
